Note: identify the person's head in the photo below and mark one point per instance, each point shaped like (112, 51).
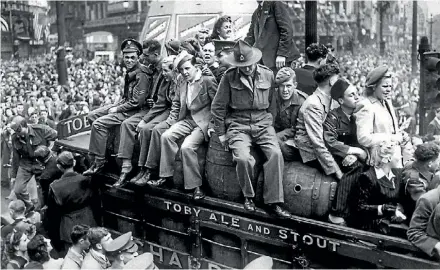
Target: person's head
(222, 28)
(98, 236)
(245, 57)
(223, 48)
(209, 53)
(33, 117)
(65, 161)
(39, 248)
(19, 125)
(315, 53)
(379, 83)
(345, 94)
(202, 35)
(17, 209)
(386, 154)
(42, 154)
(17, 240)
(173, 47)
(122, 248)
(79, 236)
(428, 153)
(151, 51)
(192, 46)
(20, 108)
(326, 75)
(8, 112)
(186, 65)
(131, 50)
(43, 113)
(286, 82)
(168, 67)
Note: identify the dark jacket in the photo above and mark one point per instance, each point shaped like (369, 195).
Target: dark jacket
(420, 231)
(305, 80)
(271, 31)
(48, 122)
(49, 174)
(7, 229)
(434, 127)
(24, 148)
(69, 204)
(164, 93)
(218, 71)
(285, 120)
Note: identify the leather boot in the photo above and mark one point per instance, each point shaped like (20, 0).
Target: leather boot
(198, 194)
(138, 176)
(160, 182)
(280, 212)
(249, 204)
(145, 178)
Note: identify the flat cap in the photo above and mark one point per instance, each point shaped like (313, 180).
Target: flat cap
(264, 262)
(131, 45)
(123, 243)
(338, 89)
(223, 46)
(65, 159)
(144, 261)
(374, 76)
(285, 74)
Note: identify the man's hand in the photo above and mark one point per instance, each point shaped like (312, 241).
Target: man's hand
(150, 102)
(280, 61)
(210, 132)
(222, 139)
(141, 123)
(349, 160)
(398, 217)
(112, 110)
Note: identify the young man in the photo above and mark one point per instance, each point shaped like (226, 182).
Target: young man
(241, 111)
(25, 140)
(96, 257)
(80, 245)
(16, 211)
(121, 250)
(190, 116)
(341, 141)
(288, 105)
(50, 172)
(44, 120)
(136, 88)
(309, 137)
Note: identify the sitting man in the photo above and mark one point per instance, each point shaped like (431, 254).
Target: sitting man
(96, 258)
(241, 111)
(309, 137)
(419, 175)
(222, 49)
(136, 86)
(424, 227)
(191, 110)
(341, 140)
(289, 101)
(121, 250)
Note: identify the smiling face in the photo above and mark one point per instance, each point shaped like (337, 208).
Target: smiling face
(225, 31)
(167, 72)
(130, 60)
(286, 89)
(209, 53)
(188, 71)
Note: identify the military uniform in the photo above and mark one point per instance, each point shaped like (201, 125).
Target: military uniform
(24, 164)
(49, 174)
(120, 245)
(242, 111)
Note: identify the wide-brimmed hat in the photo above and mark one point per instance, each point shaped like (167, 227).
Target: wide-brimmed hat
(243, 55)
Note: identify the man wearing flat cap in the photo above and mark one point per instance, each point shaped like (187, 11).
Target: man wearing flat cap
(69, 202)
(341, 141)
(142, 262)
(132, 105)
(120, 250)
(242, 116)
(288, 104)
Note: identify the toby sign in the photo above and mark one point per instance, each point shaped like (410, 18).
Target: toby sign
(72, 126)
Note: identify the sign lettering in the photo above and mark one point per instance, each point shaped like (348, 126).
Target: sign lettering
(72, 126)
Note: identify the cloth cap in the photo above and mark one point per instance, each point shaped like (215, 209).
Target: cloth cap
(123, 243)
(285, 74)
(42, 152)
(243, 55)
(131, 45)
(181, 58)
(338, 89)
(143, 261)
(173, 47)
(264, 262)
(65, 159)
(17, 123)
(17, 206)
(223, 46)
(374, 76)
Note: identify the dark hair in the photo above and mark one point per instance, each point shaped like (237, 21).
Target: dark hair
(152, 45)
(427, 151)
(323, 73)
(185, 59)
(37, 249)
(79, 232)
(218, 24)
(96, 234)
(315, 51)
(192, 46)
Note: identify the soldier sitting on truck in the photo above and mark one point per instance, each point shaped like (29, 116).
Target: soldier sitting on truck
(190, 116)
(242, 115)
(341, 140)
(290, 100)
(135, 92)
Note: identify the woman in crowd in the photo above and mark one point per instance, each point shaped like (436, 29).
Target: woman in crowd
(16, 245)
(381, 190)
(375, 117)
(39, 249)
(222, 29)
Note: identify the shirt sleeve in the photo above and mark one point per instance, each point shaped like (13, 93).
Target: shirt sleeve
(219, 106)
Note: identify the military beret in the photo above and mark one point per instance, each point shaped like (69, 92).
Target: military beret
(181, 58)
(374, 76)
(338, 89)
(223, 46)
(65, 159)
(131, 45)
(264, 262)
(123, 243)
(285, 74)
(144, 261)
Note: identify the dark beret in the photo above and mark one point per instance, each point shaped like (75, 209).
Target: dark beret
(65, 159)
(131, 45)
(285, 74)
(375, 75)
(223, 46)
(339, 88)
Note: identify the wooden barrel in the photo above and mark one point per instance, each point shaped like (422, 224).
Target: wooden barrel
(221, 174)
(307, 192)
(178, 166)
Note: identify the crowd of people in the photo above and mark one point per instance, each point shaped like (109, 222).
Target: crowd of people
(349, 116)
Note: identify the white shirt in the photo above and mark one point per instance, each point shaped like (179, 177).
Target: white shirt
(189, 93)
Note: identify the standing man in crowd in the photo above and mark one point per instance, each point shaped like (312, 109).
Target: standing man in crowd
(271, 31)
(25, 141)
(80, 245)
(50, 172)
(96, 257)
(242, 115)
(135, 92)
(16, 211)
(121, 250)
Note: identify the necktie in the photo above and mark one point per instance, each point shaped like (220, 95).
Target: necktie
(389, 111)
